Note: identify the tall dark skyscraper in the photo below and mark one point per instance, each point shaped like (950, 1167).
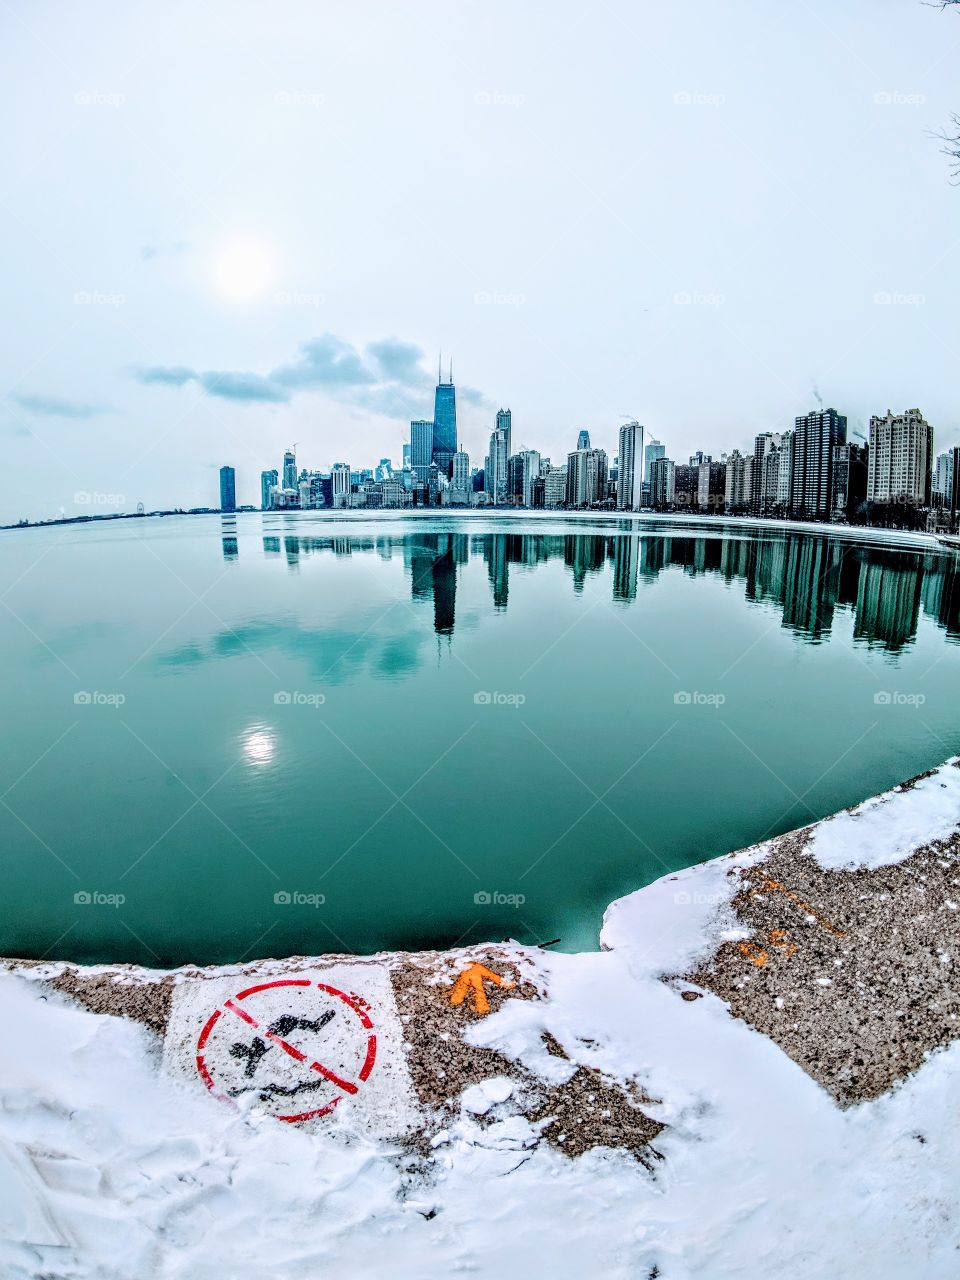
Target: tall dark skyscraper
(445, 422)
(815, 436)
(228, 489)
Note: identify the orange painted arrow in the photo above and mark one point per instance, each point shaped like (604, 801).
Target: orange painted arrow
(472, 979)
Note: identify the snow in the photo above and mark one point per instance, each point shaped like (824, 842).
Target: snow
(888, 828)
(479, 1098)
(115, 1167)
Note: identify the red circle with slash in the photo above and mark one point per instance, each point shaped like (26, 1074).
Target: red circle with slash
(244, 1013)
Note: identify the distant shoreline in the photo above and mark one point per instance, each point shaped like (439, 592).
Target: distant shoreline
(390, 515)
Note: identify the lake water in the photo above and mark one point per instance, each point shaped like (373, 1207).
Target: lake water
(264, 735)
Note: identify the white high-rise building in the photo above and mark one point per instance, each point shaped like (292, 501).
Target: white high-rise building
(943, 478)
(630, 475)
(899, 460)
(340, 477)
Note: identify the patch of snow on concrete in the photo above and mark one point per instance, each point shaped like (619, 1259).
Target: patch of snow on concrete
(890, 827)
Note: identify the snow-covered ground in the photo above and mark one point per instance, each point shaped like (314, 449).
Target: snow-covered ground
(113, 1166)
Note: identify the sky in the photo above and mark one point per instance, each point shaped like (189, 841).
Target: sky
(234, 226)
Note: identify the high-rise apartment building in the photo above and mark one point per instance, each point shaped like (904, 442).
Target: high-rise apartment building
(849, 482)
(630, 473)
(268, 482)
(340, 475)
(421, 448)
(901, 456)
(586, 477)
(290, 469)
(814, 438)
(661, 484)
(228, 489)
(651, 453)
(738, 482)
(943, 479)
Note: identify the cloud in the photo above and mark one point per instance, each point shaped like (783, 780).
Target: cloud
(150, 251)
(326, 361)
(388, 377)
(57, 407)
(242, 386)
(400, 361)
(166, 375)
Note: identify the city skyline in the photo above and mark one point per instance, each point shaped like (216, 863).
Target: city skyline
(210, 297)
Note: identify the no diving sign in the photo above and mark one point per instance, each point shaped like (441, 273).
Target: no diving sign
(298, 1046)
(309, 1047)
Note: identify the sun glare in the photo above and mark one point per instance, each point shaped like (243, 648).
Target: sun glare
(243, 269)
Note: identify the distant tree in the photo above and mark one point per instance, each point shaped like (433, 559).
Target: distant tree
(950, 137)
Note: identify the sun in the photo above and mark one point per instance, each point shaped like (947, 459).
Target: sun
(243, 269)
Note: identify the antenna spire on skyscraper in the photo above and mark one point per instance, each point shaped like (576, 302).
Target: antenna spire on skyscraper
(451, 371)
(439, 366)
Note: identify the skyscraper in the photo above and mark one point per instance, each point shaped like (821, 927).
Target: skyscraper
(943, 479)
(651, 453)
(814, 437)
(444, 423)
(340, 473)
(228, 489)
(268, 482)
(586, 477)
(583, 440)
(630, 476)
(421, 448)
(495, 464)
(900, 457)
(290, 469)
(505, 424)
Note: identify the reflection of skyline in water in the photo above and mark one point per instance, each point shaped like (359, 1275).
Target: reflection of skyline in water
(808, 576)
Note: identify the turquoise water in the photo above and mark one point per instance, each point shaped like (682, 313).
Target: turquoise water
(272, 734)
